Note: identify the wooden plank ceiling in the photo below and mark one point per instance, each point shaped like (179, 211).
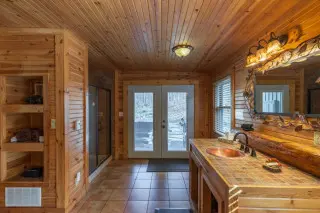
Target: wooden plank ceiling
(139, 34)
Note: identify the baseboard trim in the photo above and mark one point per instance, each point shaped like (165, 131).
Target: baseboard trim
(99, 169)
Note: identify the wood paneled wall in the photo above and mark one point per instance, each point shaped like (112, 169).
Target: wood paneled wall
(64, 58)
(75, 103)
(203, 101)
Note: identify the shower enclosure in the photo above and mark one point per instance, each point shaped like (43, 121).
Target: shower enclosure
(99, 126)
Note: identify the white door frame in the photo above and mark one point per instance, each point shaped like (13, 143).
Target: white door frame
(189, 89)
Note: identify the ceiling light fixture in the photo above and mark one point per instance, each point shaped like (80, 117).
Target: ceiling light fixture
(275, 43)
(182, 50)
(261, 51)
(251, 58)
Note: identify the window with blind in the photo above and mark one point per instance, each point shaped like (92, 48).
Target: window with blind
(223, 105)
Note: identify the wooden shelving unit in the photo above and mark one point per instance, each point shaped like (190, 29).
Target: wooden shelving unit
(29, 146)
(22, 108)
(15, 114)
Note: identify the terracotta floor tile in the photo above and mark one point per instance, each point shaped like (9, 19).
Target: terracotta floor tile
(99, 194)
(159, 184)
(178, 195)
(179, 204)
(122, 183)
(139, 195)
(176, 184)
(160, 175)
(159, 194)
(92, 207)
(157, 204)
(126, 183)
(175, 176)
(114, 207)
(120, 194)
(136, 207)
(142, 184)
(144, 176)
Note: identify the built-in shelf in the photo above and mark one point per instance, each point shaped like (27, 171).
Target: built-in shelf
(28, 146)
(22, 108)
(20, 179)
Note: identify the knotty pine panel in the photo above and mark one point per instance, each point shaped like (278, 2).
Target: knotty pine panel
(76, 68)
(30, 53)
(139, 35)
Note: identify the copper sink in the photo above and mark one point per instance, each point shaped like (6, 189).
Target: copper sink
(225, 152)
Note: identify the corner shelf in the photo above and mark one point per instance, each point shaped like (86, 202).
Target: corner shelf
(28, 146)
(22, 108)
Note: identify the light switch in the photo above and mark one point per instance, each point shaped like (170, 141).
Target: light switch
(316, 138)
(78, 178)
(53, 123)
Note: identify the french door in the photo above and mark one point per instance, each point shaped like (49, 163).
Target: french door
(160, 120)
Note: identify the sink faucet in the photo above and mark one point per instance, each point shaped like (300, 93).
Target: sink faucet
(245, 147)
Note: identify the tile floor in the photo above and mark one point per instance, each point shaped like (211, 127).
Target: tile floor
(127, 187)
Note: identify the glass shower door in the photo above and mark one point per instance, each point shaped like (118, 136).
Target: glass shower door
(93, 125)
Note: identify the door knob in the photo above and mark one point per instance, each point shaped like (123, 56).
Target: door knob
(163, 126)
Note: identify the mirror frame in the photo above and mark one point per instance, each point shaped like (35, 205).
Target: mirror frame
(300, 122)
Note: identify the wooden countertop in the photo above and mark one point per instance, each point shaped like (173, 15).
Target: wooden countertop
(248, 171)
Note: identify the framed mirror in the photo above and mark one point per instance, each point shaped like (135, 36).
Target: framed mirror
(287, 85)
(289, 90)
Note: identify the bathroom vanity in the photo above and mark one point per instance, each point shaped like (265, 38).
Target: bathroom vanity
(240, 184)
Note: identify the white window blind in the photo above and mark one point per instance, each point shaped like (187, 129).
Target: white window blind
(223, 105)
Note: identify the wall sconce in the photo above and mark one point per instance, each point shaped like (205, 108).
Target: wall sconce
(251, 58)
(318, 80)
(276, 43)
(261, 53)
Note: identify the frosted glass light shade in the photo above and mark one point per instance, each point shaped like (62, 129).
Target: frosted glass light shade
(251, 60)
(262, 54)
(182, 50)
(273, 46)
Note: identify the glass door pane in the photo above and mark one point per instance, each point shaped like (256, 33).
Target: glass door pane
(177, 121)
(143, 121)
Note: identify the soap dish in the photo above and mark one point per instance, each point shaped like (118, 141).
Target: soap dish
(272, 165)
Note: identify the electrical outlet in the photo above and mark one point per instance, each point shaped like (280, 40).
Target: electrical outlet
(316, 140)
(77, 125)
(53, 123)
(78, 178)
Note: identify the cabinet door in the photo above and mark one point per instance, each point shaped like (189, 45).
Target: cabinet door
(211, 201)
(194, 174)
